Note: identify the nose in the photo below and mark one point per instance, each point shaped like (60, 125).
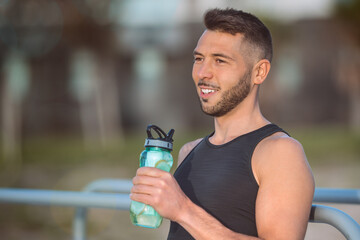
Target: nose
(202, 70)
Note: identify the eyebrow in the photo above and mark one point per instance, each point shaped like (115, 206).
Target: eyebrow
(215, 55)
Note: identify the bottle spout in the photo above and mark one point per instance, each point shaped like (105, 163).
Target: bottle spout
(170, 135)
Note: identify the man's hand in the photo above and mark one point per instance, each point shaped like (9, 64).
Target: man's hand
(160, 190)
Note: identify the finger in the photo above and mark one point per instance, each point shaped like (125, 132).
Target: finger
(150, 171)
(145, 189)
(145, 180)
(143, 198)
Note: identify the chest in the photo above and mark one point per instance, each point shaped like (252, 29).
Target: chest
(218, 177)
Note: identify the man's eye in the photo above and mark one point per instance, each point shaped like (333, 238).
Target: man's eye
(197, 59)
(220, 61)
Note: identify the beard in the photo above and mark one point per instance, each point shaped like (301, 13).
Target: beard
(230, 98)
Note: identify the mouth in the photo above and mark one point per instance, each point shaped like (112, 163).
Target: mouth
(206, 92)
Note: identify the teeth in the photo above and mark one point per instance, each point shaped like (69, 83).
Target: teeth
(207, 91)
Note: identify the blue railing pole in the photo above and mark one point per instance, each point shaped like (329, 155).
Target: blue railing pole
(109, 185)
(88, 199)
(101, 185)
(66, 198)
(333, 195)
(79, 224)
(336, 218)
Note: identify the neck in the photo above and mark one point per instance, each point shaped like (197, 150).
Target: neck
(246, 117)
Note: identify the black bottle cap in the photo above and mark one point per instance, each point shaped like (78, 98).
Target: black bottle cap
(163, 140)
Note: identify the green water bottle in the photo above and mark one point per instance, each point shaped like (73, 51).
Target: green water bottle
(157, 154)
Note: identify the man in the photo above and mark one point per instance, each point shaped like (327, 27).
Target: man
(248, 179)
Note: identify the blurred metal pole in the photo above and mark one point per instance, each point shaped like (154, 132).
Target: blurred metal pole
(66, 198)
(79, 224)
(333, 195)
(83, 200)
(104, 185)
(336, 218)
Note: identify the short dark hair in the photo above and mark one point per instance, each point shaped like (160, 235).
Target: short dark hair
(236, 21)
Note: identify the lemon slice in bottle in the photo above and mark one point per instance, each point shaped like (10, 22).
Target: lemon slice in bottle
(163, 165)
(137, 207)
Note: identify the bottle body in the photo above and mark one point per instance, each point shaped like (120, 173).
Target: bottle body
(141, 214)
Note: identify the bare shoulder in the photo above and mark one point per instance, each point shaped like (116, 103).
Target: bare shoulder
(280, 144)
(286, 186)
(186, 149)
(277, 153)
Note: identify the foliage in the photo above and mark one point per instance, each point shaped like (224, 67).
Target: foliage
(349, 12)
(320, 143)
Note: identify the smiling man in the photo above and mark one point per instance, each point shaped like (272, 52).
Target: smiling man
(248, 179)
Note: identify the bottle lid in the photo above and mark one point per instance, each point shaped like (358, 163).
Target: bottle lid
(163, 141)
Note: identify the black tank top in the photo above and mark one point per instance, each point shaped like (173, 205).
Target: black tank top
(219, 179)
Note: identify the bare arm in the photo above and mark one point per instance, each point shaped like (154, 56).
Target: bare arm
(286, 189)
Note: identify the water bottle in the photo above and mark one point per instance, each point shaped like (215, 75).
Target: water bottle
(157, 154)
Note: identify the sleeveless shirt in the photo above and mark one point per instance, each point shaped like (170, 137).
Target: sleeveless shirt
(219, 179)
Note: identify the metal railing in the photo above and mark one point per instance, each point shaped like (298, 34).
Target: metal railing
(336, 218)
(114, 194)
(101, 185)
(336, 195)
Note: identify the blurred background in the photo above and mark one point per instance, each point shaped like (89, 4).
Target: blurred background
(81, 79)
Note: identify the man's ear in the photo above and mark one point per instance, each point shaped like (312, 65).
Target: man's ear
(261, 70)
